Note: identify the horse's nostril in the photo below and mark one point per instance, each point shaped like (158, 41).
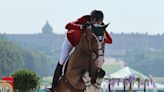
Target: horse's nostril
(83, 71)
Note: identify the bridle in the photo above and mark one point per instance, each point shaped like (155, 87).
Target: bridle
(100, 40)
(95, 54)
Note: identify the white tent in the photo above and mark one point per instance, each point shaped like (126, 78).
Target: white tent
(126, 72)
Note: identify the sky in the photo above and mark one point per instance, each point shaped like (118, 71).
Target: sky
(127, 16)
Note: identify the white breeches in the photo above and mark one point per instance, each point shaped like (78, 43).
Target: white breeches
(66, 48)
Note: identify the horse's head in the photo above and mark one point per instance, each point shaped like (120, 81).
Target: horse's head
(93, 42)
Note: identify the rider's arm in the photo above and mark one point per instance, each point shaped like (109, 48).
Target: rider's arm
(108, 38)
(77, 25)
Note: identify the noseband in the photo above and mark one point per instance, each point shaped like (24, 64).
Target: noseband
(94, 53)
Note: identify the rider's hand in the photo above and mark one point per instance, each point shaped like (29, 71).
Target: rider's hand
(86, 25)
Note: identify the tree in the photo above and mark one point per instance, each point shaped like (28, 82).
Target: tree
(11, 57)
(25, 80)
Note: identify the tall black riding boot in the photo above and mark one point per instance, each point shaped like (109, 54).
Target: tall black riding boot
(56, 76)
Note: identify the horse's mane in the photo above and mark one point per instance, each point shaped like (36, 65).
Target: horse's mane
(83, 44)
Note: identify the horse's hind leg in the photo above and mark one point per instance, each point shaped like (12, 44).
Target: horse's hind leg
(87, 81)
(97, 86)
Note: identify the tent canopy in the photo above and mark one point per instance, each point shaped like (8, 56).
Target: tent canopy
(126, 72)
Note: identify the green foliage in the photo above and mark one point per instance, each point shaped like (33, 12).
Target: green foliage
(38, 62)
(11, 57)
(147, 61)
(25, 80)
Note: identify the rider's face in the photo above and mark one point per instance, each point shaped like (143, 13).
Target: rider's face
(97, 21)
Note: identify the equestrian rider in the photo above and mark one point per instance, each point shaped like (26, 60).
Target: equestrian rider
(75, 29)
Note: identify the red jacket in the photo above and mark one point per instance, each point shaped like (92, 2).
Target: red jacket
(74, 30)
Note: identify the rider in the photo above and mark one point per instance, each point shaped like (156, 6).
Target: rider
(75, 29)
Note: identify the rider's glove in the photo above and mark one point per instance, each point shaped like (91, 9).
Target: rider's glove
(86, 25)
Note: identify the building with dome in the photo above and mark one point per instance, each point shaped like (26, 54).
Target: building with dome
(47, 29)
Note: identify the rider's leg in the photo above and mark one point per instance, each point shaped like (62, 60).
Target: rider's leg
(66, 48)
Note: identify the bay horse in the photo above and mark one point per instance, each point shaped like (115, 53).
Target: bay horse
(82, 73)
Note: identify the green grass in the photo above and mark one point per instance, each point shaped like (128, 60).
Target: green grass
(159, 79)
(111, 68)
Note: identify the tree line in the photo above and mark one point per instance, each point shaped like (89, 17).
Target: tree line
(13, 57)
(149, 62)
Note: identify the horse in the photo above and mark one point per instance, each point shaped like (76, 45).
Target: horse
(82, 73)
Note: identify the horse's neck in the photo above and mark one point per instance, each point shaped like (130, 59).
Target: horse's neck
(83, 46)
(81, 50)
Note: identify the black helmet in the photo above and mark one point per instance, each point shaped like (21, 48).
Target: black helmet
(97, 14)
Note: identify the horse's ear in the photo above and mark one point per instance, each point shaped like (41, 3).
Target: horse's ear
(105, 25)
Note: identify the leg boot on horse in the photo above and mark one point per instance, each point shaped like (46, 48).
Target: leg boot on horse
(56, 76)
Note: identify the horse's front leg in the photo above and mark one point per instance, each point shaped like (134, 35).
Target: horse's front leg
(87, 81)
(97, 85)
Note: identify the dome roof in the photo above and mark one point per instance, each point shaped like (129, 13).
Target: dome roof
(47, 29)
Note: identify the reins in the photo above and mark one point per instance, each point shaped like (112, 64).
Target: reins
(94, 54)
(99, 51)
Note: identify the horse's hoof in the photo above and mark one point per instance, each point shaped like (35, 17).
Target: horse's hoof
(101, 73)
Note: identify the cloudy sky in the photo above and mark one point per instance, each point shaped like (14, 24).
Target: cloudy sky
(29, 16)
